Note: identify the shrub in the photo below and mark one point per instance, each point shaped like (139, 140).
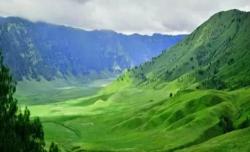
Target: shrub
(171, 95)
(231, 61)
(201, 72)
(53, 147)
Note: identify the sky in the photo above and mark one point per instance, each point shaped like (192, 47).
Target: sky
(123, 16)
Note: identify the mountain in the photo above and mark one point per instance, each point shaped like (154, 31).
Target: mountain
(36, 50)
(216, 55)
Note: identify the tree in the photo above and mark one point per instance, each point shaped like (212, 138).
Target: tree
(17, 132)
(53, 147)
(201, 72)
(171, 95)
(226, 124)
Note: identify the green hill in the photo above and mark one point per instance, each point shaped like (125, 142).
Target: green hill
(215, 55)
(193, 97)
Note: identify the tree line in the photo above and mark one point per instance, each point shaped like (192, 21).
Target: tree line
(18, 132)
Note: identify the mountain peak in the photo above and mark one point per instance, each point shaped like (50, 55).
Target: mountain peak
(216, 45)
(230, 13)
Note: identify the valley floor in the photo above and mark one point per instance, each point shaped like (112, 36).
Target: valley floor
(138, 119)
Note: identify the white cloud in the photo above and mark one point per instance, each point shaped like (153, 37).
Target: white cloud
(126, 16)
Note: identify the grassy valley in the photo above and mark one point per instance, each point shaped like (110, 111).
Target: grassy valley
(31, 92)
(146, 120)
(194, 97)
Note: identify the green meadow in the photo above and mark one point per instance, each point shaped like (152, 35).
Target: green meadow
(144, 119)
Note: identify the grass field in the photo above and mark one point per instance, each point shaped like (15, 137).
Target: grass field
(139, 119)
(41, 92)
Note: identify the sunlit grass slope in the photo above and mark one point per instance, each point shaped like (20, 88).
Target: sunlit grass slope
(144, 120)
(233, 141)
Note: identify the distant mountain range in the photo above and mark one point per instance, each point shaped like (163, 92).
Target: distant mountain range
(40, 50)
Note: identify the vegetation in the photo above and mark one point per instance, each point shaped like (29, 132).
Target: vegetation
(53, 148)
(193, 97)
(210, 55)
(18, 133)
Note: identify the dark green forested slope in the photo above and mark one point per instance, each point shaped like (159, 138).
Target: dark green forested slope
(216, 55)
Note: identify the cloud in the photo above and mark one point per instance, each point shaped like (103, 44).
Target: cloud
(125, 16)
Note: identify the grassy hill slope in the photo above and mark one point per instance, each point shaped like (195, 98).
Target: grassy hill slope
(148, 120)
(217, 51)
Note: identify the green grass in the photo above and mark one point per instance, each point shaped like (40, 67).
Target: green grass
(136, 119)
(233, 141)
(142, 118)
(209, 109)
(42, 92)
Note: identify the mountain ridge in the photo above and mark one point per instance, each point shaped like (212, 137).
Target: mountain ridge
(51, 51)
(201, 54)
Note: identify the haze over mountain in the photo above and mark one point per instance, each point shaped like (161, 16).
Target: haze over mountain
(124, 16)
(36, 50)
